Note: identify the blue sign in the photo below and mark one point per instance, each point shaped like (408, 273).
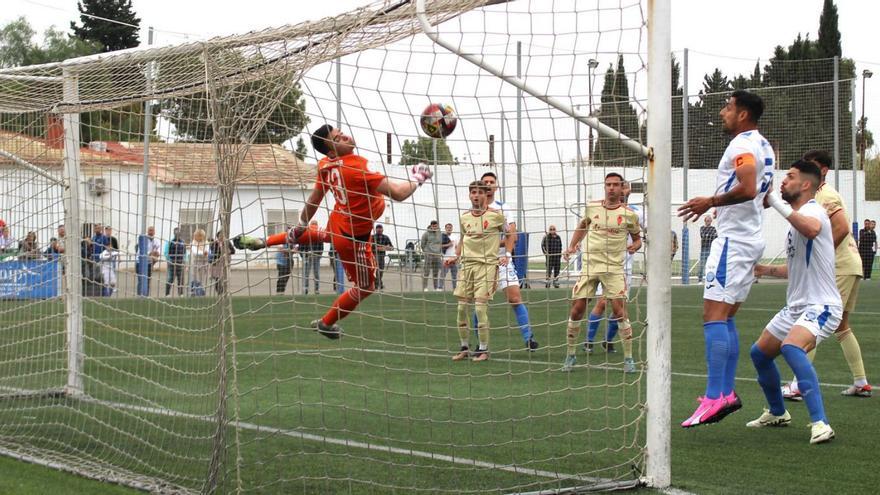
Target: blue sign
(36, 279)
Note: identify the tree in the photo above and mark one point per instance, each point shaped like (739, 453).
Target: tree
(615, 111)
(18, 48)
(829, 35)
(422, 150)
(706, 140)
(111, 35)
(192, 123)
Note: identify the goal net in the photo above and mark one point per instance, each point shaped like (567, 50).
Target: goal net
(139, 346)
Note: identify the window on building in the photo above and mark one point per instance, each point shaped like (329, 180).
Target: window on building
(191, 219)
(280, 220)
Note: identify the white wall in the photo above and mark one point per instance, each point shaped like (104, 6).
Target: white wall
(549, 193)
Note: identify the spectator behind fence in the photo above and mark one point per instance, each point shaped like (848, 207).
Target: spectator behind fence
(551, 246)
(450, 241)
(175, 253)
(707, 235)
(7, 242)
(381, 244)
(95, 247)
(311, 248)
(283, 263)
(27, 248)
(109, 260)
(154, 250)
(868, 247)
(215, 257)
(431, 243)
(197, 263)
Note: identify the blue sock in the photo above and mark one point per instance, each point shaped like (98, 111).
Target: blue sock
(611, 332)
(732, 358)
(717, 350)
(768, 379)
(593, 326)
(808, 382)
(522, 319)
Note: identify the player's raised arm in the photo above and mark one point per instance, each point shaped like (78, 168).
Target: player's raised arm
(798, 177)
(399, 190)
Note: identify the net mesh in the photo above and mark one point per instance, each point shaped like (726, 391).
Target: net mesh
(197, 370)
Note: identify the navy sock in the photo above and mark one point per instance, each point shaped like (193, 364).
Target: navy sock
(717, 350)
(611, 331)
(768, 379)
(732, 358)
(593, 327)
(474, 322)
(522, 319)
(808, 382)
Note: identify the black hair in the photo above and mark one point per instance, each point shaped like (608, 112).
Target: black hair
(615, 174)
(320, 139)
(489, 174)
(821, 157)
(809, 168)
(750, 102)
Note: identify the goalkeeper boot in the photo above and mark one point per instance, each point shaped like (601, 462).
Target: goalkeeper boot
(858, 391)
(769, 419)
(820, 432)
(569, 363)
(707, 412)
(791, 393)
(463, 354)
(242, 241)
(332, 332)
(629, 365)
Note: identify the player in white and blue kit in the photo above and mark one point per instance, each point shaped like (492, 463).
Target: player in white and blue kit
(508, 280)
(813, 306)
(745, 174)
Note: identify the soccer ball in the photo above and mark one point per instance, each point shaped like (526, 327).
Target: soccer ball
(438, 120)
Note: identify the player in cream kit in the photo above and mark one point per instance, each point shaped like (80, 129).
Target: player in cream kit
(508, 280)
(745, 174)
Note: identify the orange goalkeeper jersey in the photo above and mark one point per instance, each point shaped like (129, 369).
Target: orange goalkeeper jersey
(358, 204)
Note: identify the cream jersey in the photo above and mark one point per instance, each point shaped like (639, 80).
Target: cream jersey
(480, 235)
(640, 213)
(846, 255)
(745, 220)
(609, 229)
(811, 277)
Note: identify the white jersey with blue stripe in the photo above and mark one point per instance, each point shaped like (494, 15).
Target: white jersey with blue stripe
(744, 220)
(498, 205)
(811, 276)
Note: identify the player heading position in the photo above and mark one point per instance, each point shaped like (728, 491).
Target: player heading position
(610, 225)
(481, 230)
(745, 173)
(359, 194)
(848, 273)
(813, 306)
(508, 280)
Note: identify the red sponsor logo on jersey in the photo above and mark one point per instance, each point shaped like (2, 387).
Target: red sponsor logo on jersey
(485, 224)
(619, 219)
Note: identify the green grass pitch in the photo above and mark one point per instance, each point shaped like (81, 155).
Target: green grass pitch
(386, 407)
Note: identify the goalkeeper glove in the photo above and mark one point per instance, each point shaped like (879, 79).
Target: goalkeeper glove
(296, 232)
(420, 173)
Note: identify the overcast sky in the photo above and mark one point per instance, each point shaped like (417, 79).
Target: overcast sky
(729, 35)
